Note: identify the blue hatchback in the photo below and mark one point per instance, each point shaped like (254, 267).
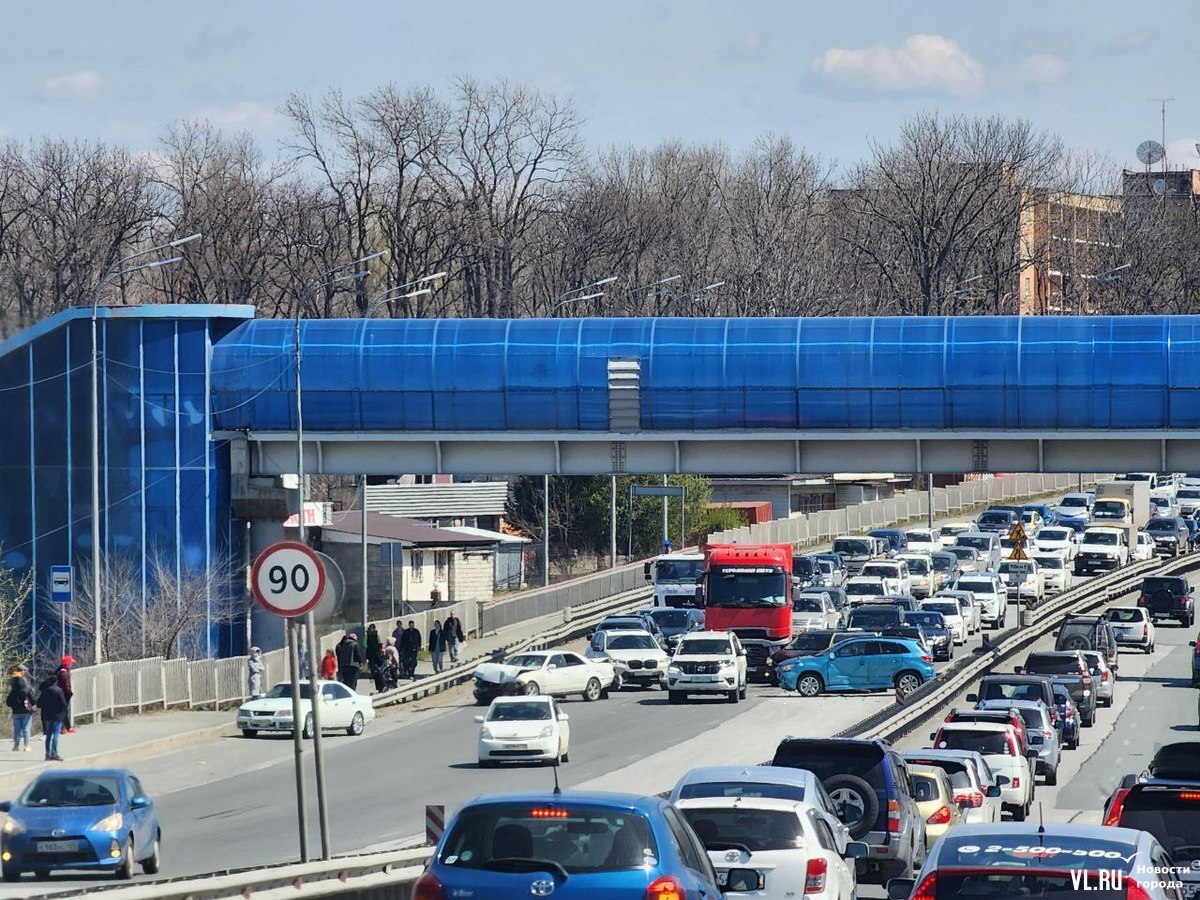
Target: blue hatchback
(92, 819)
(574, 844)
(871, 663)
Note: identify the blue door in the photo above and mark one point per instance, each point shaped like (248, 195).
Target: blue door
(848, 666)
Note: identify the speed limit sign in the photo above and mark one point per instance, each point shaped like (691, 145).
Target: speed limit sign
(288, 579)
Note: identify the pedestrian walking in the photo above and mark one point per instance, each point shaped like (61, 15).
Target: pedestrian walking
(453, 634)
(410, 647)
(22, 701)
(398, 632)
(63, 677)
(391, 664)
(329, 665)
(255, 670)
(349, 658)
(437, 646)
(53, 704)
(375, 656)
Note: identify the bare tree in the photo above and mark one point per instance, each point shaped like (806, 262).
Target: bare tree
(16, 590)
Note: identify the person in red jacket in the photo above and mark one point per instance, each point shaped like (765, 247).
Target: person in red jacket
(329, 665)
(63, 677)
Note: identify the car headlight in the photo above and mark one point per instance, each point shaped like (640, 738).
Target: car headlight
(12, 826)
(546, 732)
(485, 733)
(674, 669)
(727, 663)
(115, 822)
(243, 713)
(1087, 694)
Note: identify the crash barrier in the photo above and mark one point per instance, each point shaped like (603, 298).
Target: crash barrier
(928, 700)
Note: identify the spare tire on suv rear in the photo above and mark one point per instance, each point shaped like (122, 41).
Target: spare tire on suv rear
(854, 801)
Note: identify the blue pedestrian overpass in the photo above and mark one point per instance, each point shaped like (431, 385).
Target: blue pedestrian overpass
(197, 406)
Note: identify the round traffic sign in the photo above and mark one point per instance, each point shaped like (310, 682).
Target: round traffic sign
(288, 578)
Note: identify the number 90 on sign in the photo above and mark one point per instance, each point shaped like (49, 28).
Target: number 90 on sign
(288, 579)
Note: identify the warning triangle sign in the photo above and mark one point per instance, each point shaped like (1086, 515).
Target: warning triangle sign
(1017, 553)
(1017, 533)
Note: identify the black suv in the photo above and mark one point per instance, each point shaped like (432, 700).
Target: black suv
(1171, 535)
(868, 784)
(1088, 633)
(1069, 668)
(1167, 597)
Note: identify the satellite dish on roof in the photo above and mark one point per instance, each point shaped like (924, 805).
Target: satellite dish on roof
(1150, 152)
(1160, 186)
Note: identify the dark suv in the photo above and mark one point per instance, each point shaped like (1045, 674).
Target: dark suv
(1068, 668)
(1168, 597)
(868, 784)
(1015, 687)
(1170, 534)
(1088, 633)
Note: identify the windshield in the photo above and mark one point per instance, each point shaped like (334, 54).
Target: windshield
(871, 619)
(951, 530)
(1125, 614)
(283, 690)
(670, 618)
(852, 547)
(949, 608)
(804, 566)
(1050, 562)
(994, 518)
(985, 742)
(810, 640)
(864, 589)
(976, 587)
(522, 711)
(807, 604)
(943, 563)
(1108, 509)
(755, 829)
(528, 661)
(918, 537)
(879, 570)
(632, 642)
(978, 542)
(523, 837)
(1042, 664)
(746, 586)
(72, 790)
(1168, 816)
(742, 789)
(1074, 502)
(999, 690)
(1160, 501)
(1106, 538)
(1188, 494)
(623, 624)
(1162, 525)
(678, 571)
(1054, 534)
(918, 565)
(926, 619)
(705, 647)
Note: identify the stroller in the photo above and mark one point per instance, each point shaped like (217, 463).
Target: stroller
(389, 675)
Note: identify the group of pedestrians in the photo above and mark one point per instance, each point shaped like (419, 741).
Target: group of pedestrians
(52, 698)
(444, 638)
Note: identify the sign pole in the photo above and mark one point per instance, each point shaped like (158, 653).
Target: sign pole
(318, 751)
(298, 737)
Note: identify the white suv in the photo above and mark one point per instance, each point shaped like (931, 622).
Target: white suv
(990, 594)
(707, 662)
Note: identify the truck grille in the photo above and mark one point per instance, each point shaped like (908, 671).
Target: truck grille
(756, 656)
(699, 668)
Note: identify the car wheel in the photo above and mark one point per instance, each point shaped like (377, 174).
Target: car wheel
(907, 682)
(674, 697)
(1052, 777)
(1089, 721)
(1073, 745)
(249, 732)
(125, 871)
(733, 696)
(357, 724)
(742, 692)
(482, 701)
(487, 764)
(41, 874)
(531, 689)
(308, 728)
(12, 874)
(854, 802)
(151, 864)
(1020, 813)
(566, 757)
(591, 691)
(809, 685)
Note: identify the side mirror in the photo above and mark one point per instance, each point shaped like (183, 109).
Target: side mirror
(933, 736)
(1020, 670)
(743, 881)
(479, 719)
(972, 698)
(900, 888)
(742, 652)
(5, 805)
(1002, 780)
(1031, 755)
(856, 850)
(563, 717)
(140, 802)
(993, 791)
(646, 571)
(551, 667)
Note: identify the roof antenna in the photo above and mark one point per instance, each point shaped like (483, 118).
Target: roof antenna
(557, 789)
(1041, 832)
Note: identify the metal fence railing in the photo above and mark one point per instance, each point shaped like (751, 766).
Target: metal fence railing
(115, 687)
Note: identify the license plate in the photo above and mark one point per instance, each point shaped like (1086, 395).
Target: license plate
(518, 746)
(57, 846)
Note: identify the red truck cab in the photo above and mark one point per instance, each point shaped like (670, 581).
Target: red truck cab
(748, 590)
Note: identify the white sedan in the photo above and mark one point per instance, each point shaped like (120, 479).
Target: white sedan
(524, 728)
(555, 672)
(341, 709)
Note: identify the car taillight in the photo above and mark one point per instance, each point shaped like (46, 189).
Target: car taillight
(428, 888)
(1016, 781)
(1144, 600)
(927, 659)
(1145, 632)
(927, 889)
(1134, 891)
(893, 815)
(1114, 812)
(1103, 675)
(668, 887)
(974, 799)
(814, 876)
(940, 817)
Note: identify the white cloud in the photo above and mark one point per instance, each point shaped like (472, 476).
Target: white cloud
(248, 115)
(1132, 41)
(1042, 68)
(1183, 153)
(75, 85)
(923, 64)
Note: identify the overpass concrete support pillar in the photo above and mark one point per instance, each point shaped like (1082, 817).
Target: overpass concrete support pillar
(266, 629)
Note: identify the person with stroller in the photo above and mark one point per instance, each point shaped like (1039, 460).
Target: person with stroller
(410, 646)
(391, 665)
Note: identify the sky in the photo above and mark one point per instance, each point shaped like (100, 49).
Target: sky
(832, 76)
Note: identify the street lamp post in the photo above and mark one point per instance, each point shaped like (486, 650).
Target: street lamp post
(116, 268)
(564, 298)
(389, 295)
(658, 292)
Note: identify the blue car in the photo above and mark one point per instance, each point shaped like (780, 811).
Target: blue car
(82, 819)
(1049, 516)
(897, 542)
(577, 844)
(872, 663)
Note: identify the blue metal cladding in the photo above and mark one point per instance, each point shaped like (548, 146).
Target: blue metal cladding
(162, 490)
(902, 374)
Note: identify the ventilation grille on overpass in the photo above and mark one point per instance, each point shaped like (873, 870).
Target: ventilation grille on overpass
(624, 394)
